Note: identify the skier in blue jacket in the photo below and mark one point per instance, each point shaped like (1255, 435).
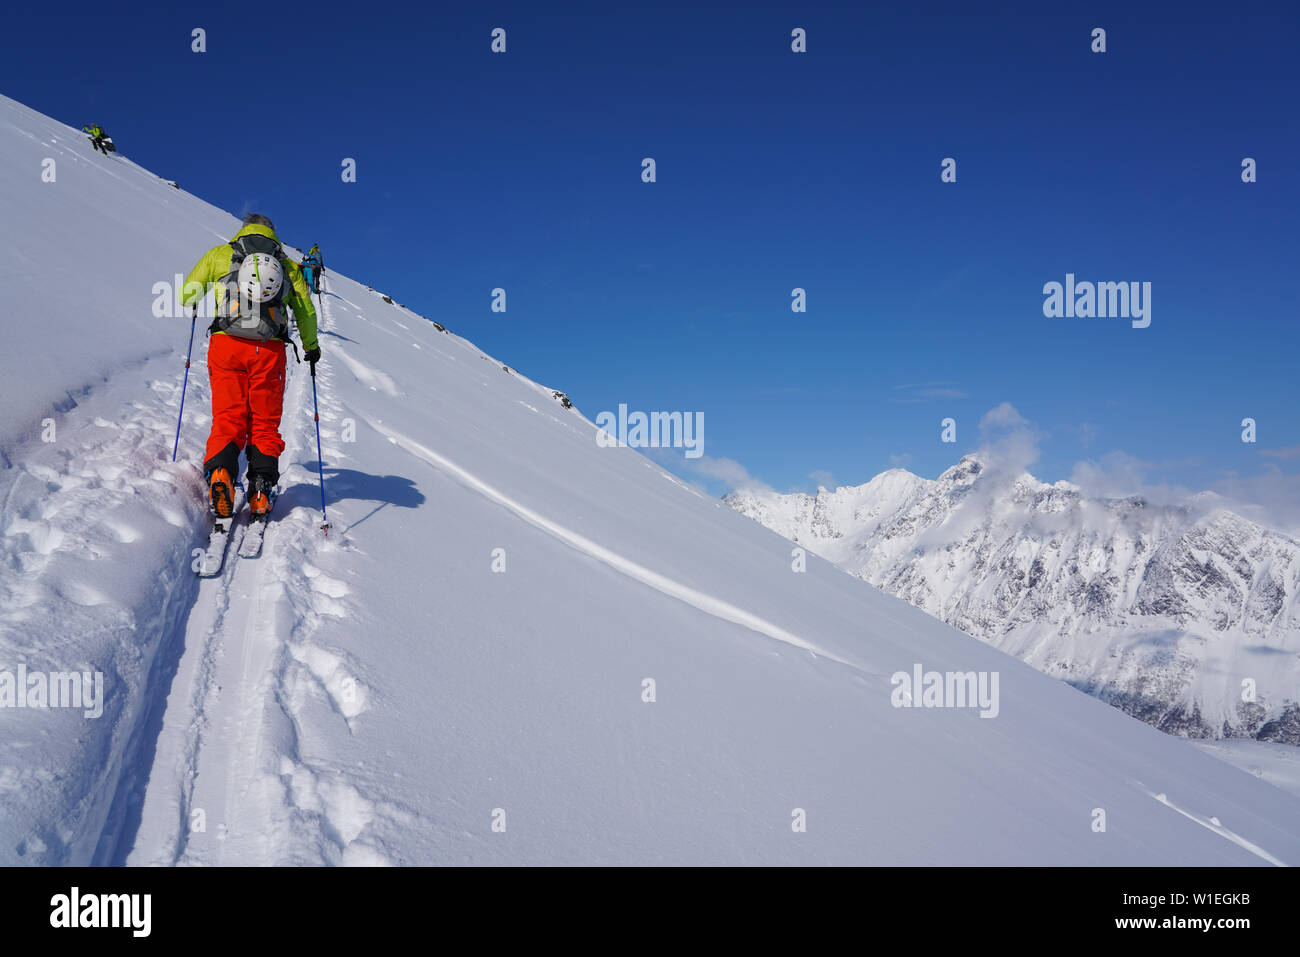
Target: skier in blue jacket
(312, 267)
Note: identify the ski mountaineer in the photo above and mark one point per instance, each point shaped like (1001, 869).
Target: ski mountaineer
(254, 283)
(97, 137)
(312, 267)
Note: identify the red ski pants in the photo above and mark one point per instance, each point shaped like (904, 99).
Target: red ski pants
(247, 394)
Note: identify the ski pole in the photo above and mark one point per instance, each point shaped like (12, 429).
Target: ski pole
(320, 463)
(185, 383)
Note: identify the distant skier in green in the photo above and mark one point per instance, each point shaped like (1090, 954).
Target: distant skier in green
(312, 267)
(98, 138)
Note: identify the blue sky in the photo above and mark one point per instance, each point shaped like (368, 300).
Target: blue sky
(775, 170)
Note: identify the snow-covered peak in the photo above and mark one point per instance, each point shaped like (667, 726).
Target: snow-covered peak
(1118, 596)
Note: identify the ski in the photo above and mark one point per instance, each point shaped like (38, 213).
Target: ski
(214, 557)
(251, 545)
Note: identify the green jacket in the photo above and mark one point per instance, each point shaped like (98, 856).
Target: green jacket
(94, 129)
(215, 266)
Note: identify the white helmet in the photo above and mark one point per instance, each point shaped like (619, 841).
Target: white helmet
(260, 277)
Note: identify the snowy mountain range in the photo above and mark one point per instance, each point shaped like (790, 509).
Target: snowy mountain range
(1178, 615)
(516, 645)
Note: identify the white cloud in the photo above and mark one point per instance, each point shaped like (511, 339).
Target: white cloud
(1120, 475)
(1290, 452)
(925, 391)
(823, 479)
(1004, 416)
(1009, 444)
(727, 471)
(1271, 498)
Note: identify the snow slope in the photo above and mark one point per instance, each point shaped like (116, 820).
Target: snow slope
(1278, 764)
(392, 694)
(1163, 611)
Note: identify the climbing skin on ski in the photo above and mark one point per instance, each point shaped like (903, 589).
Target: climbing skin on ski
(261, 500)
(214, 556)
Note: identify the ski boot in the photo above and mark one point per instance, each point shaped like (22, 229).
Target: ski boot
(221, 493)
(261, 495)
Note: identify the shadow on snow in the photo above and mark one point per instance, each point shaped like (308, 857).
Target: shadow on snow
(344, 484)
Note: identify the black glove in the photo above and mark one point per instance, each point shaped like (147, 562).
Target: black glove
(312, 356)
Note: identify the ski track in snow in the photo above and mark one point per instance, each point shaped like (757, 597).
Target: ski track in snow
(255, 669)
(1212, 824)
(705, 603)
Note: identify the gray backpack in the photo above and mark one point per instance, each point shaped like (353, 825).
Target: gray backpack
(249, 320)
